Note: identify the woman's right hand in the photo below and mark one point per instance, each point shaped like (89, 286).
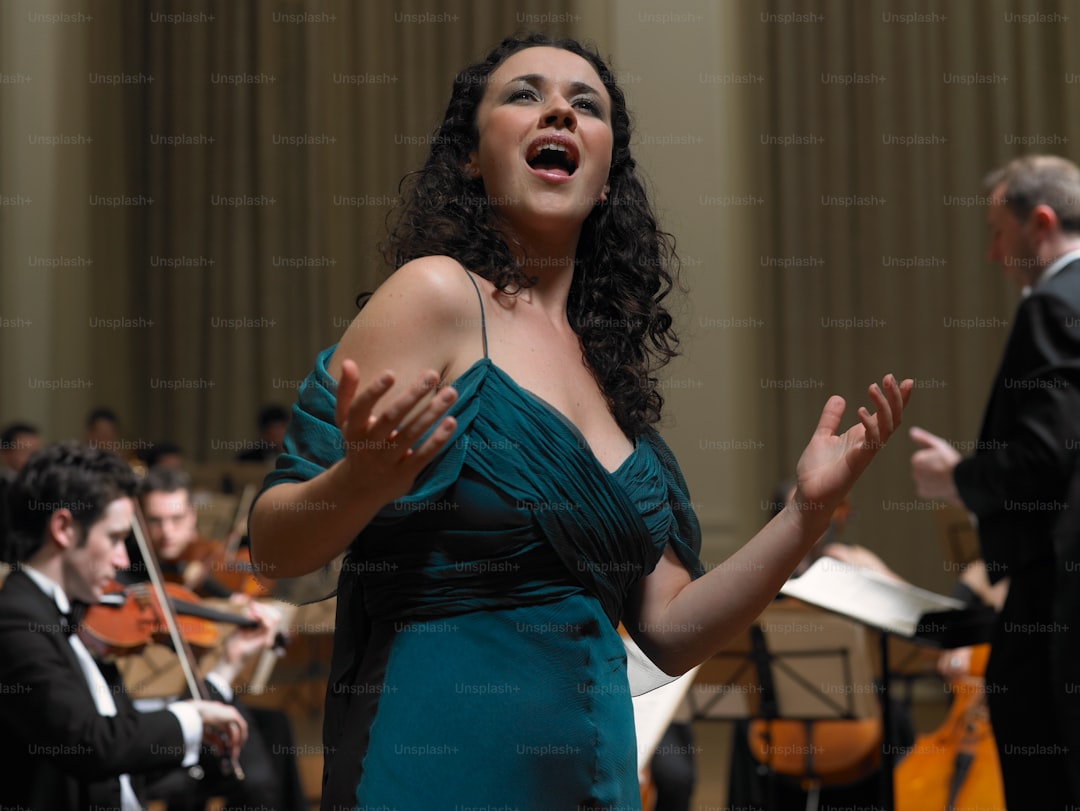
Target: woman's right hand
(379, 435)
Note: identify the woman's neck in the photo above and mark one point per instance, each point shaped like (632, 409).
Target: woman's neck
(552, 264)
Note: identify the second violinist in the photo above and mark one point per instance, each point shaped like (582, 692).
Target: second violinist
(171, 522)
(195, 562)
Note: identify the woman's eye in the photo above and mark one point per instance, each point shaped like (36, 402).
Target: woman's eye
(523, 93)
(588, 104)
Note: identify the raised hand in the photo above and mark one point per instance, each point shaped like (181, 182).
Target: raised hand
(831, 462)
(932, 467)
(379, 433)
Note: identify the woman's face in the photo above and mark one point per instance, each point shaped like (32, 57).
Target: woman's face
(545, 143)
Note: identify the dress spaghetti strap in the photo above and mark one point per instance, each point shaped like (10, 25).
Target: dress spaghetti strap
(483, 320)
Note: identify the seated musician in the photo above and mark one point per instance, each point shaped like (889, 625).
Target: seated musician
(973, 588)
(273, 421)
(17, 442)
(69, 735)
(268, 759)
(186, 557)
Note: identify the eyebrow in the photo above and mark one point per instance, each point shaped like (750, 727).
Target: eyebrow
(535, 79)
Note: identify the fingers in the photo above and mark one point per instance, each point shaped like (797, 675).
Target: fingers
(353, 408)
(879, 425)
(237, 733)
(924, 438)
(370, 422)
(266, 614)
(897, 395)
(439, 437)
(222, 719)
(407, 435)
(346, 390)
(889, 400)
(385, 425)
(388, 426)
(831, 415)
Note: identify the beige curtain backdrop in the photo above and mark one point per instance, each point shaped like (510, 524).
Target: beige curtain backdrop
(912, 104)
(209, 194)
(819, 162)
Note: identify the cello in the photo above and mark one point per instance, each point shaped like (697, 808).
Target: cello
(956, 766)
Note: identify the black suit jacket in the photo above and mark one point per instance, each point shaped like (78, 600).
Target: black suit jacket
(1023, 483)
(57, 751)
(1020, 478)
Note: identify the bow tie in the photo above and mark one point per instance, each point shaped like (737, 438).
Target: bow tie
(70, 622)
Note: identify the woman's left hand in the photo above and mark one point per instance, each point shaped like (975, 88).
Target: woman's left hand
(831, 462)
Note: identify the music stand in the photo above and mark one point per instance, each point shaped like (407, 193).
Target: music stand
(812, 667)
(958, 534)
(892, 607)
(726, 684)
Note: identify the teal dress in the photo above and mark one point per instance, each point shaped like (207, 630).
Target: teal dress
(476, 658)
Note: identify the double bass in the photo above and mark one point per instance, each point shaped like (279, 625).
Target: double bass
(956, 766)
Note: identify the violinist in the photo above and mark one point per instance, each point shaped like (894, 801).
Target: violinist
(272, 779)
(70, 737)
(171, 520)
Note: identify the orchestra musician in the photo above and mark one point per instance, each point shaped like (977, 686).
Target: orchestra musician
(273, 421)
(70, 737)
(17, 442)
(172, 523)
(198, 563)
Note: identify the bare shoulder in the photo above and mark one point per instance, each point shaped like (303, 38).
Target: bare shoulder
(414, 319)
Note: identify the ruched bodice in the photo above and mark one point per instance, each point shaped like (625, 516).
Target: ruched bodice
(518, 511)
(477, 661)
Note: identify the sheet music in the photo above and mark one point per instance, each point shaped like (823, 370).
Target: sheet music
(866, 596)
(654, 711)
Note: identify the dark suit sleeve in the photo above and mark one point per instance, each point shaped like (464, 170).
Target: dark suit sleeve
(1039, 388)
(47, 707)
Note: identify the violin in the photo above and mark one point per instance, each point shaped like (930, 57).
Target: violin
(223, 566)
(127, 619)
(228, 763)
(207, 565)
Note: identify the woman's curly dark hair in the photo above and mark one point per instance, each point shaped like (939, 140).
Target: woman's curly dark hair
(624, 267)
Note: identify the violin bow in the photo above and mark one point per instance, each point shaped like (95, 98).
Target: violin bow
(239, 527)
(183, 651)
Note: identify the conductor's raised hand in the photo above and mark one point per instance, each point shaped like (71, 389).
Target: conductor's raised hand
(932, 466)
(832, 462)
(379, 430)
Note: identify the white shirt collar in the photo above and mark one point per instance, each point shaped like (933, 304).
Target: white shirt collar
(49, 586)
(1054, 268)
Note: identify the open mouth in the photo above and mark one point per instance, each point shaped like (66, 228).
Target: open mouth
(553, 155)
